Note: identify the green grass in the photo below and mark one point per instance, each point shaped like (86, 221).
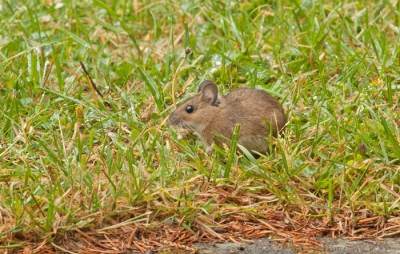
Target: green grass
(71, 160)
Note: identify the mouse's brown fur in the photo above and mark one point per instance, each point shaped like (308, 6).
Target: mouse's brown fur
(208, 113)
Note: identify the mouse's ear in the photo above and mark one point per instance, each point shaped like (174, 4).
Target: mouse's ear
(203, 84)
(209, 92)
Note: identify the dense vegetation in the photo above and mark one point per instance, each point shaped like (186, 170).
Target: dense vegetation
(75, 164)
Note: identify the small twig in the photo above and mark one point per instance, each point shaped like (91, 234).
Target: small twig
(92, 240)
(62, 249)
(187, 52)
(130, 239)
(93, 86)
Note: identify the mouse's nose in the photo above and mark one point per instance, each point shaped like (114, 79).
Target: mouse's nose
(174, 119)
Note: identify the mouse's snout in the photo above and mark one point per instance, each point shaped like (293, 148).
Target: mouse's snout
(174, 119)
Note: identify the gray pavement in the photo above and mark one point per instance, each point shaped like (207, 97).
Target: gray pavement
(336, 246)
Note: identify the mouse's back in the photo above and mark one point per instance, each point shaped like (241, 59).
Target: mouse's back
(255, 109)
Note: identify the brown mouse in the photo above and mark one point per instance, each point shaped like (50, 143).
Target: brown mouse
(208, 112)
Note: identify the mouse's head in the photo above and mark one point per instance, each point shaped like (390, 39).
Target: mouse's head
(194, 113)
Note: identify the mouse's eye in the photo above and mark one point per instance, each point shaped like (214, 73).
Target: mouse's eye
(189, 109)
